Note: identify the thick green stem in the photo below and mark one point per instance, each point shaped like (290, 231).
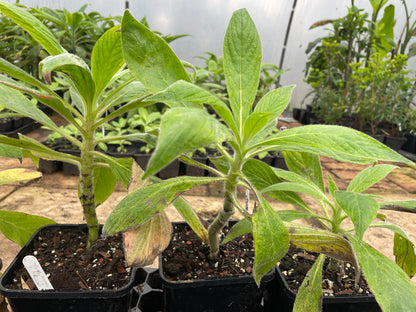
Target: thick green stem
(228, 207)
(86, 184)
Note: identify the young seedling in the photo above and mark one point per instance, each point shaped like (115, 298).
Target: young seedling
(187, 126)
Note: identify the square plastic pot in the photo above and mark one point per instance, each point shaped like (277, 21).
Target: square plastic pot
(63, 300)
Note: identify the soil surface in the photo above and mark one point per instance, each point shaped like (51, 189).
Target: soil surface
(64, 256)
(187, 257)
(297, 262)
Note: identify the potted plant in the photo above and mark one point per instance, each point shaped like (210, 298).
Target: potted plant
(247, 132)
(86, 111)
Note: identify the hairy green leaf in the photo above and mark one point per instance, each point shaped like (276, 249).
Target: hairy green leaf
(242, 62)
(149, 57)
(104, 184)
(368, 177)
(340, 143)
(140, 205)
(107, 58)
(309, 297)
(175, 138)
(242, 227)
(19, 226)
(386, 279)
(275, 101)
(271, 239)
(362, 209)
(33, 26)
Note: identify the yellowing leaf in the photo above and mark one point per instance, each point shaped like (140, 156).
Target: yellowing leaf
(16, 175)
(145, 242)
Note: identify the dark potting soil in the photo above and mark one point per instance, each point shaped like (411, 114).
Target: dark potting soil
(64, 257)
(297, 262)
(187, 257)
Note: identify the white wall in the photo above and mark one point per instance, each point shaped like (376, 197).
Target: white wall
(206, 21)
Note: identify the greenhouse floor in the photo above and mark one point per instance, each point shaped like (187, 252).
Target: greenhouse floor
(55, 196)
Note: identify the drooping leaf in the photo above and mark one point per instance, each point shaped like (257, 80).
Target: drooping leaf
(140, 205)
(19, 226)
(19, 174)
(368, 177)
(145, 242)
(360, 208)
(340, 143)
(177, 137)
(107, 58)
(75, 68)
(242, 62)
(17, 102)
(104, 184)
(275, 101)
(183, 91)
(403, 248)
(271, 239)
(242, 227)
(33, 26)
(309, 297)
(320, 241)
(191, 218)
(387, 281)
(149, 56)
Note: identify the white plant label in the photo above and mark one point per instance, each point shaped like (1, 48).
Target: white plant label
(36, 273)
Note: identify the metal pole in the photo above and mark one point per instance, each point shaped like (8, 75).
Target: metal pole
(127, 5)
(289, 25)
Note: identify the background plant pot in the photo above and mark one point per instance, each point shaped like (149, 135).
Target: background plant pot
(67, 168)
(63, 300)
(170, 171)
(410, 144)
(395, 143)
(142, 160)
(279, 297)
(194, 171)
(229, 293)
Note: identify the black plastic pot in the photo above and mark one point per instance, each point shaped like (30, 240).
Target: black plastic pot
(63, 300)
(279, 297)
(231, 293)
(395, 143)
(410, 144)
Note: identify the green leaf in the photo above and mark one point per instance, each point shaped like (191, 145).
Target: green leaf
(17, 102)
(16, 175)
(184, 130)
(121, 167)
(186, 211)
(407, 204)
(75, 68)
(149, 57)
(340, 143)
(388, 282)
(362, 209)
(275, 101)
(145, 242)
(403, 248)
(107, 58)
(309, 297)
(368, 177)
(290, 215)
(140, 205)
(242, 62)
(271, 239)
(263, 176)
(33, 26)
(332, 187)
(104, 184)
(183, 91)
(242, 227)
(307, 165)
(19, 226)
(10, 151)
(320, 241)
(254, 124)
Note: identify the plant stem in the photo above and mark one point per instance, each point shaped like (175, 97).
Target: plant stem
(228, 207)
(86, 186)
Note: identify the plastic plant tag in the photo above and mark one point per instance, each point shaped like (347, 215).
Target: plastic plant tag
(36, 273)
